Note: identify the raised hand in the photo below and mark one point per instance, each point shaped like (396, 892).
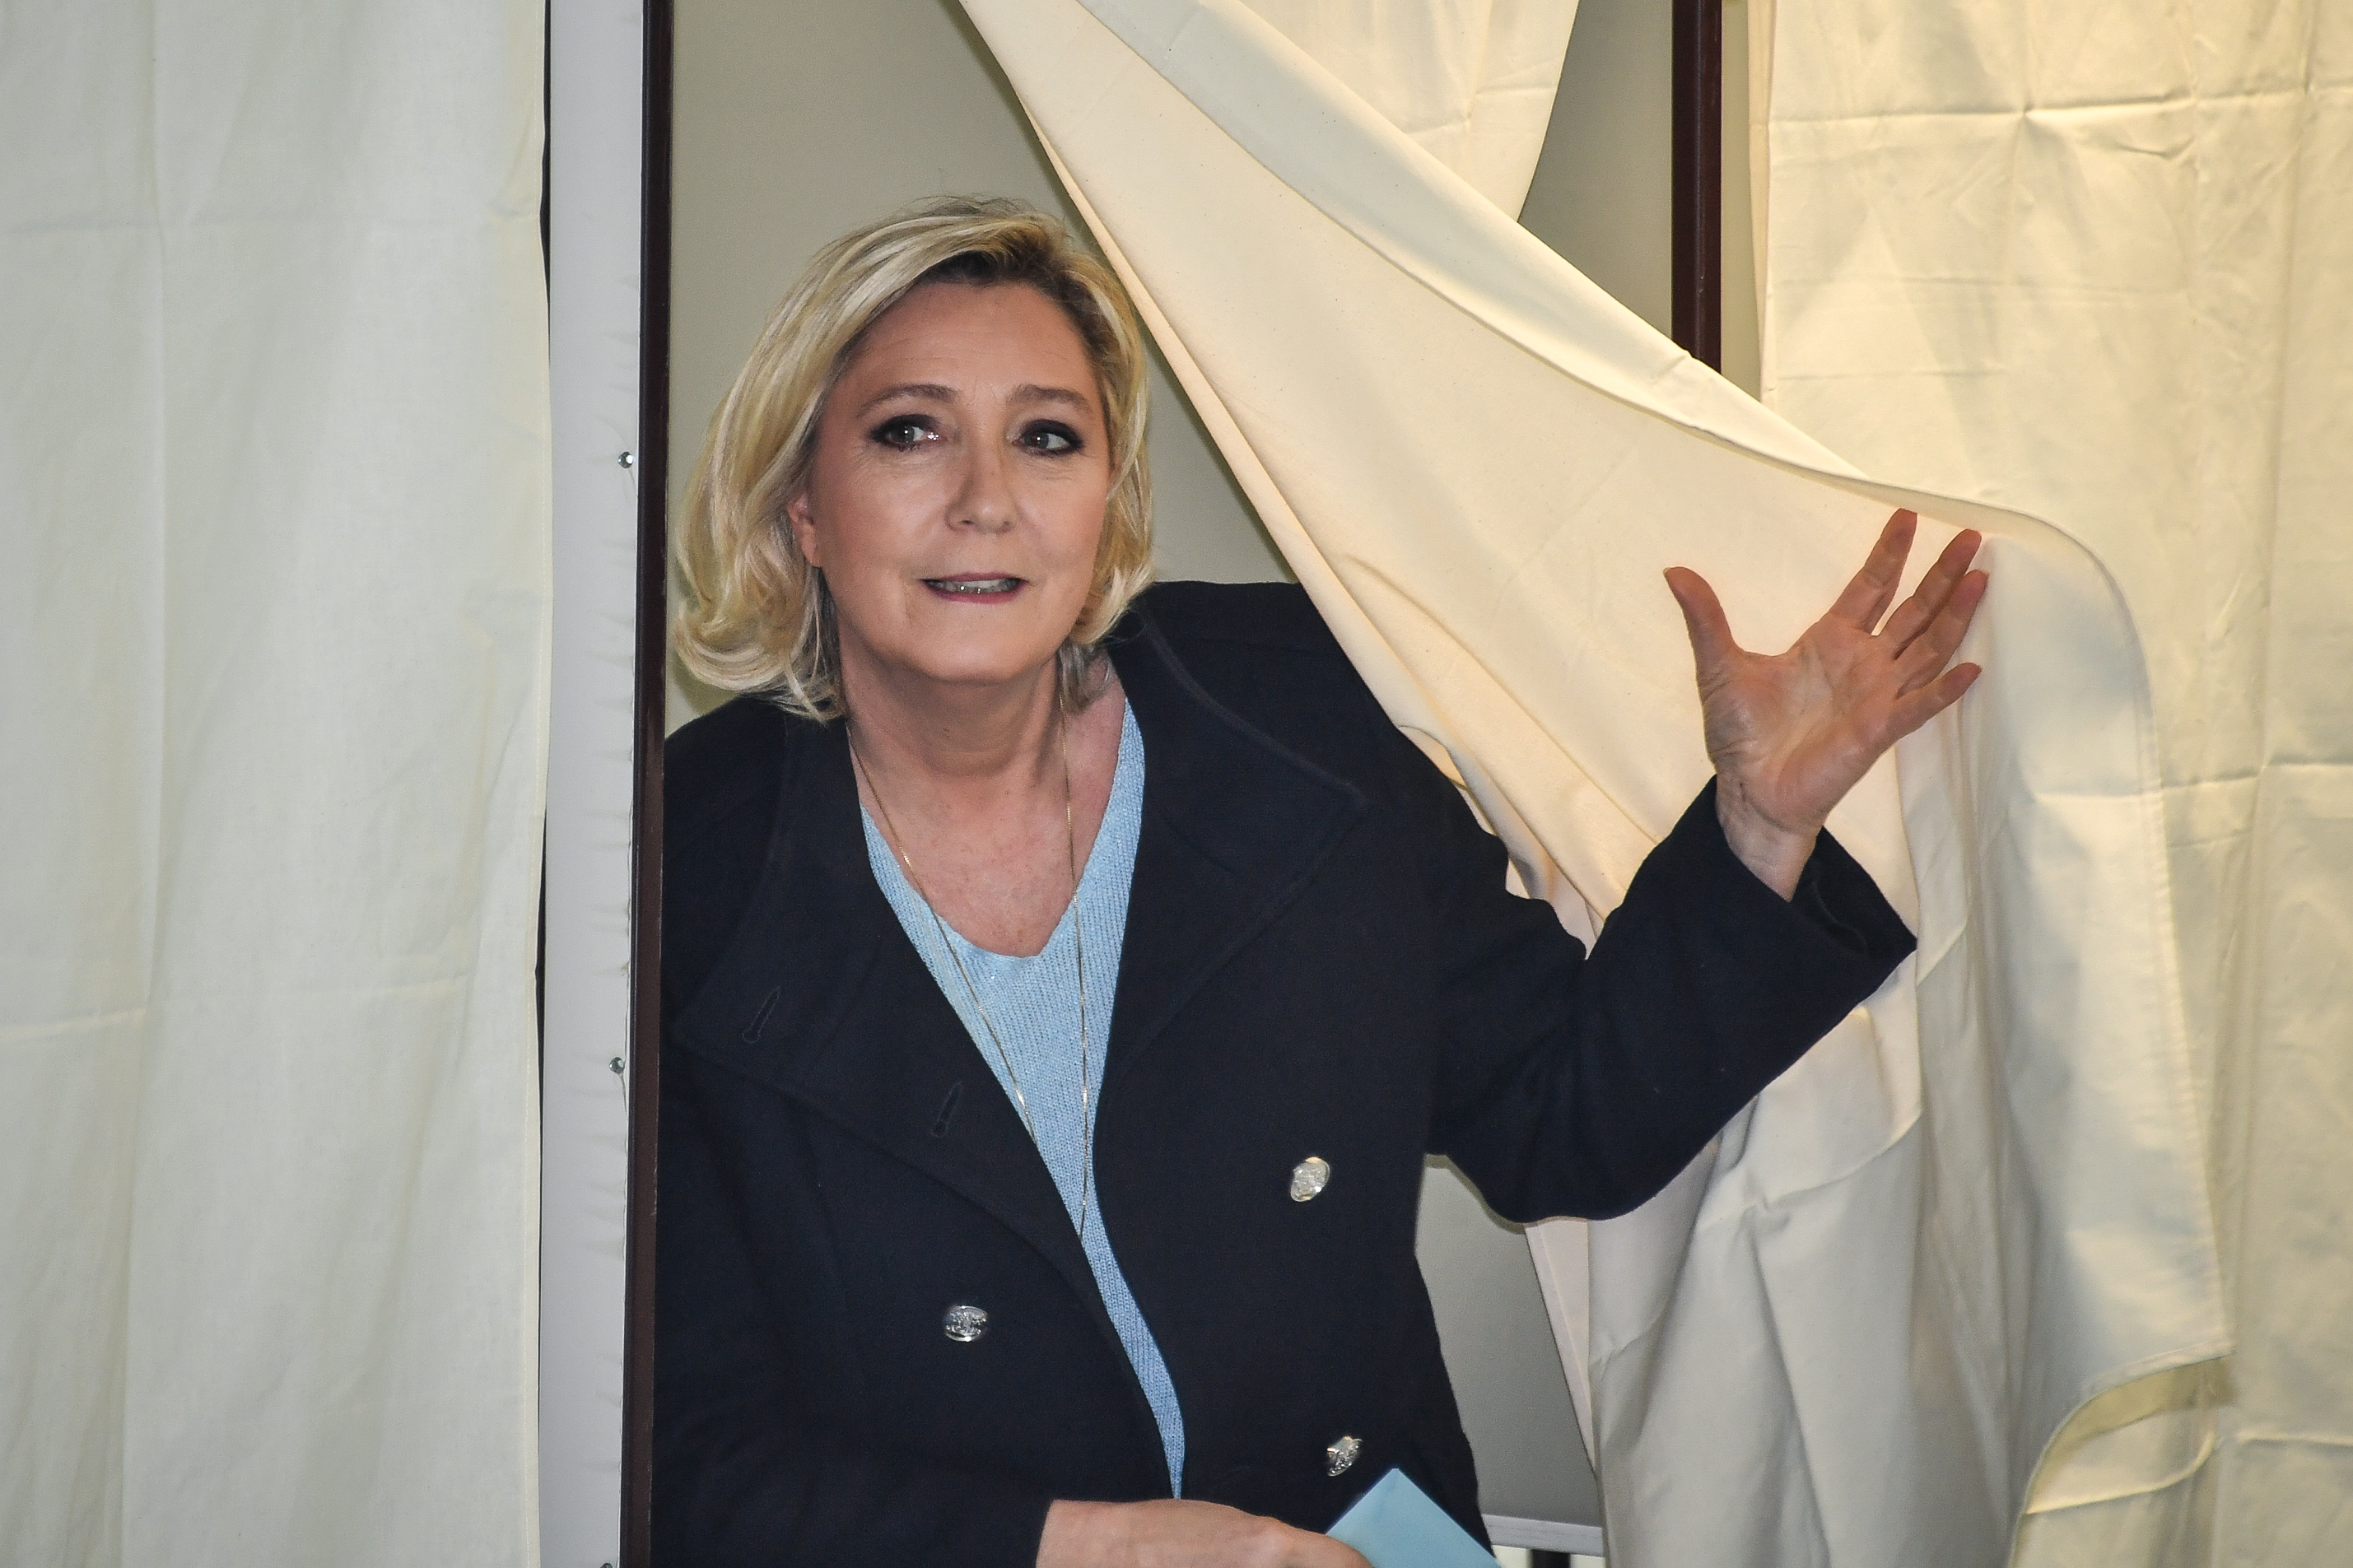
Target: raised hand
(1790, 733)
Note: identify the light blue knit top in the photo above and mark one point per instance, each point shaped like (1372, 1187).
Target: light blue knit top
(1034, 1003)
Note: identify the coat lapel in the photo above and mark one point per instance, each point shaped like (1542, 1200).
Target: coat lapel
(1234, 825)
(822, 997)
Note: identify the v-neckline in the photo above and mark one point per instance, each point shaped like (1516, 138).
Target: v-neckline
(1065, 924)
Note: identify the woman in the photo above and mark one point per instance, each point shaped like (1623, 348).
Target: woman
(1065, 981)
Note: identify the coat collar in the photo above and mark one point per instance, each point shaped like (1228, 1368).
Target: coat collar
(1235, 824)
(822, 997)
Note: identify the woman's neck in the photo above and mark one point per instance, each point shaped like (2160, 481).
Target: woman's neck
(990, 797)
(957, 740)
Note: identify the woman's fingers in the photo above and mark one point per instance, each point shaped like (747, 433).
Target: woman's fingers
(1873, 589)
(1927, 653)
(1910, 712)
(1936, 586)
(1713, 649)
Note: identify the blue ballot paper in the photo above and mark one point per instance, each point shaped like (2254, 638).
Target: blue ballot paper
(1395, 1525)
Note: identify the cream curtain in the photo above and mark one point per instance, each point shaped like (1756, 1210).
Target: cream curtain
(2097, 262)
(1471, 81)
(1846, 1334)
(273, 487)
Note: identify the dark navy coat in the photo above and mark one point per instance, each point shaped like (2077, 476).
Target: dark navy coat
(1321, 959)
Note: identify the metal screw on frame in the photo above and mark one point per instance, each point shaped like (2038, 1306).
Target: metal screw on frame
(628, 460)
(619, 1066)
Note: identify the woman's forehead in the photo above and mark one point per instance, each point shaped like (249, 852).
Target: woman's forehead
(971, 339)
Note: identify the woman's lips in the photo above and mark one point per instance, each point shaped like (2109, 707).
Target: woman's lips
(974, 586)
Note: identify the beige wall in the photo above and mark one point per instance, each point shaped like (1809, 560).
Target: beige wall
(1601, 190)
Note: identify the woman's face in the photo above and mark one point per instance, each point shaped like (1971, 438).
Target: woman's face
(958, 489)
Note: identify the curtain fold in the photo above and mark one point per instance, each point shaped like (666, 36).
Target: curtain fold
(273, 478)
(1846, 1333)
(2094, 263)
(1471, 81)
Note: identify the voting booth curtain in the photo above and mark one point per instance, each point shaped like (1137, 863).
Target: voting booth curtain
(274, 491)
(274, 479)
(1848, 1332)
(2096, 263)
(1470, 82)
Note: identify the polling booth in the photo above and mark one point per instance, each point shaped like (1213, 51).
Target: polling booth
(1316, 234)
(354, 354)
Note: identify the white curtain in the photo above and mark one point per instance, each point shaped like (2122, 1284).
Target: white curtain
(1846, 1334)
(1471, 81)
(2097, 262)
(273, 490)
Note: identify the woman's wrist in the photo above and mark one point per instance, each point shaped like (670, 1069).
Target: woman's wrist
(1774, 854)
(1169, 1533)
(1082, 1535)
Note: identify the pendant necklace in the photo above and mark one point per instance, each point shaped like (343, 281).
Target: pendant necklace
(1077, 932)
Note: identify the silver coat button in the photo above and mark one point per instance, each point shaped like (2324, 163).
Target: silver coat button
(1309, 1177)
(1341, 1455)
(963, 1323)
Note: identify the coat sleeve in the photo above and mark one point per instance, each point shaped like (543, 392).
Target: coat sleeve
(738, 1481)
(1581, 1084)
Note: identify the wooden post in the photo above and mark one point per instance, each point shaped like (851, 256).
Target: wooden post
(645, 844)
(1698, 194)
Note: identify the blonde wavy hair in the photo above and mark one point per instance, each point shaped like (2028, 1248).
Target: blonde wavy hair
(755, 616)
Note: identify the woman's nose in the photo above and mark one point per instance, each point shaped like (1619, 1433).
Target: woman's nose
(985, 500)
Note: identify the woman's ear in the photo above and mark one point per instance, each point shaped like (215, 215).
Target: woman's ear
(797, 517)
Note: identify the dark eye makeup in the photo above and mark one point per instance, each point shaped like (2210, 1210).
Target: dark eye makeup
(904, 432)
(1051, 437)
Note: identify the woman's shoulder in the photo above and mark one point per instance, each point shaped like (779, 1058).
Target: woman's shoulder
(1261, 652)
(724, 765)
(1252, 644)
(722, 776)
(1278, 616)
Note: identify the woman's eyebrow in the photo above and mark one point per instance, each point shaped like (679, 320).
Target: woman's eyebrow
(1031, 393)
(930, 391)
(933, 392)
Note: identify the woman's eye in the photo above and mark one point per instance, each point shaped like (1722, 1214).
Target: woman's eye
(904, 432)
(1051, 438)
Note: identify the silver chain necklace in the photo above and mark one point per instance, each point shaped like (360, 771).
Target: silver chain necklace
(1077, 931)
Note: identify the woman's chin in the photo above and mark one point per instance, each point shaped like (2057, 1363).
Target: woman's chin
(964, 647)
(978, 667)
(989, 643)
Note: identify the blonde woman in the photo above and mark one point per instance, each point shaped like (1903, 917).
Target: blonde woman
(1065, 979)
